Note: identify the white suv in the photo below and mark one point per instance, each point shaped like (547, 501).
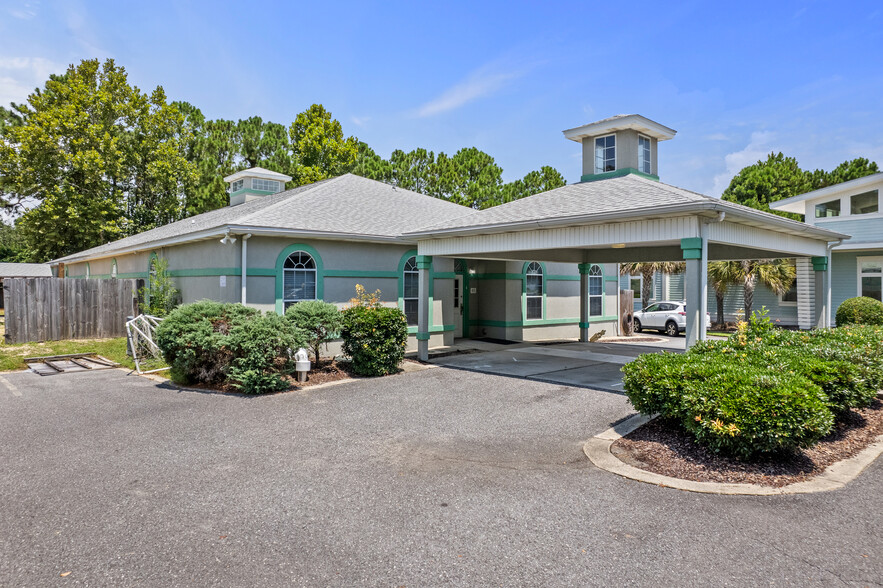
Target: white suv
(666, 317)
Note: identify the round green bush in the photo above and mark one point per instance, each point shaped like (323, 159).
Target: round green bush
(860, 311)
(375, 338)
(212, 343)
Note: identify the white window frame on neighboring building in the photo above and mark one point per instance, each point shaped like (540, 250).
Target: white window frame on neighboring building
(237, 185)
(299, 266)
(793, 289)
(605, 159)
(534, 272)
(862, 274)
(641, 161)
(596, 284)
(640, 289)
(411, 285)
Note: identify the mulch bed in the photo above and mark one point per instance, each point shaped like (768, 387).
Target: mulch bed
(328, 370)
(661, 447)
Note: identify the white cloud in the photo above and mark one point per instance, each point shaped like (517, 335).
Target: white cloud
(19, 76)
(360, 121)
(758, 148)
(479, 84)
(26, 11)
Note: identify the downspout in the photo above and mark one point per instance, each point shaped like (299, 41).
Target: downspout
(618, 301)
(828, 296)
(244, 279)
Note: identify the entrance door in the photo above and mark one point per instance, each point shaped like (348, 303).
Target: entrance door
(458, 306)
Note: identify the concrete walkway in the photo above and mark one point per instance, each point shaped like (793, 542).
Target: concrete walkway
(589, 365)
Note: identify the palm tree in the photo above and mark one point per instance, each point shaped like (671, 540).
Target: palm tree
(776, 274)
(722, 275)
(646, 270)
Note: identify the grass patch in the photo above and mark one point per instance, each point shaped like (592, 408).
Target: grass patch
(12, 356)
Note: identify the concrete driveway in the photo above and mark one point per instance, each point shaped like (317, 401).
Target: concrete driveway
(436, 478)
(591, 365)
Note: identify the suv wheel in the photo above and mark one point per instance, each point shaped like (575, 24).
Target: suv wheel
(671, 329)
(637, 326)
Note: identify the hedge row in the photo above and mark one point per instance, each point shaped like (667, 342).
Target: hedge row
(764, 389)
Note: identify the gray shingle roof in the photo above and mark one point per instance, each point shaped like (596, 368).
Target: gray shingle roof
(25, 270)
(630, 195)
(347, 205)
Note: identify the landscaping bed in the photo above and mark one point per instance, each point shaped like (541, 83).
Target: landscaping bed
(662, 447)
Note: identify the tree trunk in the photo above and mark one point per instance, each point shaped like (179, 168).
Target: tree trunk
(646, 287)
(750, 283)
(719, 298)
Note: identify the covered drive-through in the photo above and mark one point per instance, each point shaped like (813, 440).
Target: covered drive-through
(627, 219)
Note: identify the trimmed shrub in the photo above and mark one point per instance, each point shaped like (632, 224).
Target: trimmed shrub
(730, 406)
(321, 321)
(212, 343)
(193, 340)
(262, 349)
(860, 311)
(374, 336)
(764, 389)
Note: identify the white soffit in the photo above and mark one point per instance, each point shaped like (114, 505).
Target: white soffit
(258, 172)
(621, 122)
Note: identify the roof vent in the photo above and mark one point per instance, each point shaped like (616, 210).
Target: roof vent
(251, 184)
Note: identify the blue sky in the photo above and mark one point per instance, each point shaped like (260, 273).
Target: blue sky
(736, 80)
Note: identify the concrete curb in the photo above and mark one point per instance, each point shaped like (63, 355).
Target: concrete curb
(835, 476)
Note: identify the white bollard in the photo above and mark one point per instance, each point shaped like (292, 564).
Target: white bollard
(302, 364)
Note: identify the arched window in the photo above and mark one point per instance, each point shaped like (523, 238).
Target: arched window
(299, 279)
(411, 290)
(534, 291)
(596, 290)
(113, 268)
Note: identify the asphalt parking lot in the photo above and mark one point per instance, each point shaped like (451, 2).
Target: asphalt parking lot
(439, 477)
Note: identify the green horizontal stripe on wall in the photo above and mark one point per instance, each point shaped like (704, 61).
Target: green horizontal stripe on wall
(611, 278)
(562, 278)
(539, 323)
(360, 274)
(496, 277)
(433, 329)
(132, 275)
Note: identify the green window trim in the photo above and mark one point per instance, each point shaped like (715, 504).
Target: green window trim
(280, 275)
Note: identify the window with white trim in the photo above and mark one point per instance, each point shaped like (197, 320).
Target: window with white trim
(870, 277)
(789, 298)
(411, 291)
(828, 209)
(605, 154)
(298, 279)
(534, 292)
(866, 203)
(596, 290)
(265, 185)
(644, 155)
(237, 185)
(636, 284)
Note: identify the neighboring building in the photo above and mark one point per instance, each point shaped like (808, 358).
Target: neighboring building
(22, 270)
(856, 265)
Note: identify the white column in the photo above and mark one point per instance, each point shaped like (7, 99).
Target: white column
(703, 285)
(244, 278)
(822, 292)
(424, 266)
(584, 301)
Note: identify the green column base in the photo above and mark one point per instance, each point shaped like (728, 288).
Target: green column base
(422, 336)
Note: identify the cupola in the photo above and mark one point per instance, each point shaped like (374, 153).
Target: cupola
(251, 184)
(620, 145)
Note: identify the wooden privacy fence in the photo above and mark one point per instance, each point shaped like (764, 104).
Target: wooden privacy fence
(50, 309)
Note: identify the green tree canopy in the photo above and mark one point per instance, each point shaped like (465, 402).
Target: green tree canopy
(320, 149)
(100, 158)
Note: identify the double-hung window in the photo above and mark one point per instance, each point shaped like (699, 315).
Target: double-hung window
(644, 155)
(605, 154)
(871, 277)
(596, 290)
(411, 290)
(534, 291)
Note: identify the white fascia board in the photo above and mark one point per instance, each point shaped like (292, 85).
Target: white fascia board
(633, 121)
(796, 203)
(847, 246)
(325, 235)
(258, 172)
